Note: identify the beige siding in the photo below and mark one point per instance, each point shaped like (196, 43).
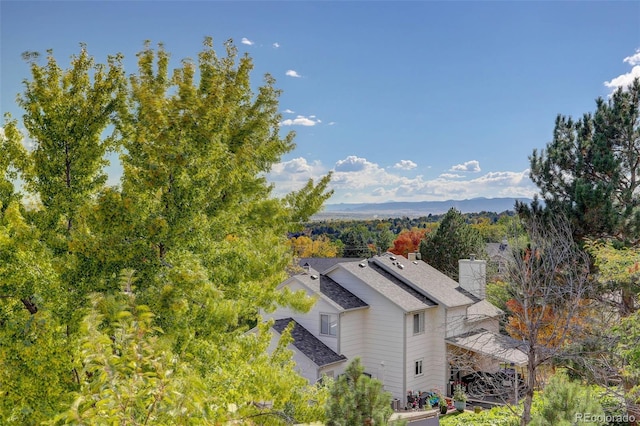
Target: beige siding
(456, 321)
(304, 366)
(428, 346)
(311, 319)
(351, 335)
(380, 343)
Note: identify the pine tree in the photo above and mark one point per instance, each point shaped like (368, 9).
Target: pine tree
(357, 399)
(453, 240)
(590, 171)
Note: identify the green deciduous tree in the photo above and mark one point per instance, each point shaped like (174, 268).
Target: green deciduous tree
(66, 113)
(453, 240)
(616, 340)
(36, 355)
(139, 298)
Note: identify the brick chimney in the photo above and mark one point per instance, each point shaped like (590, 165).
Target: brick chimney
(472, 276)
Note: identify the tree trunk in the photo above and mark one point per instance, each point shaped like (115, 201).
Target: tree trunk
(531, 379)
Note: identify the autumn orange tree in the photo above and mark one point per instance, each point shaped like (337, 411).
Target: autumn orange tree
(550, 319)
(408, 241)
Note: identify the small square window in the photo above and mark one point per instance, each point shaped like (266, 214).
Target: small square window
(418, 323)
(328, 324)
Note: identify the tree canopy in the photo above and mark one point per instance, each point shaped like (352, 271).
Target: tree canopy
(134, 302)
(453, 240)
(589, 173)
(590, 170)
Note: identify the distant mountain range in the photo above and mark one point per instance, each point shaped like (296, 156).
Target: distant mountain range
(416, 208)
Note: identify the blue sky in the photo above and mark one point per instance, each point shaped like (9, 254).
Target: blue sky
(404, 101)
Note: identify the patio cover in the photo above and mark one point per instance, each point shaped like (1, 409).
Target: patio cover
(494, 345)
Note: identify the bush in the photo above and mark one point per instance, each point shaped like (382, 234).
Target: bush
(497, 416)
(563, 399)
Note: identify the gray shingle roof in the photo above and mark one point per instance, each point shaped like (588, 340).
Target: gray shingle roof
(468, 294)
(340, 296)
(321, 264)
(483, 310)
(494, 345)
(393, 289)
(308, 344)
(425, 278)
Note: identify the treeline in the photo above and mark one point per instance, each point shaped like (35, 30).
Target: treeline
(365, 237)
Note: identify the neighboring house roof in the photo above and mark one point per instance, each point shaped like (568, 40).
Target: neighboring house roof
(393, 289)
(322, 264)
(500, 254)
(494, 345)
(308, 344)
(498, 250)
(425, 278)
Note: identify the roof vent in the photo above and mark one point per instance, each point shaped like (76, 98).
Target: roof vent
(362, 265)
(400, 265)
(415, 262)
(314, 277)
(392, 257)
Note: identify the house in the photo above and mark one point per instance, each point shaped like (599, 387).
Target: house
(410, 324)
(499, 256)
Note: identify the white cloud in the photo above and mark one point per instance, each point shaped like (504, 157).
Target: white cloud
(293, 167)
(405, 165)
(292, 73)
(625, 80)
(246, 41)
(288, 111)
(276, 45)
(467, 166)
(356, 179)
(353, 164)
(293, 174)
(633, 59)
(359, 173)
(301, 120)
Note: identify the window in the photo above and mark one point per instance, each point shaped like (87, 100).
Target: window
(328, 324)
(418, 323)
(418, 369)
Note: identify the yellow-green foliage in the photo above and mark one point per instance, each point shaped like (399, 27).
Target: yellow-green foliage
(498, 416)
(133, 304)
